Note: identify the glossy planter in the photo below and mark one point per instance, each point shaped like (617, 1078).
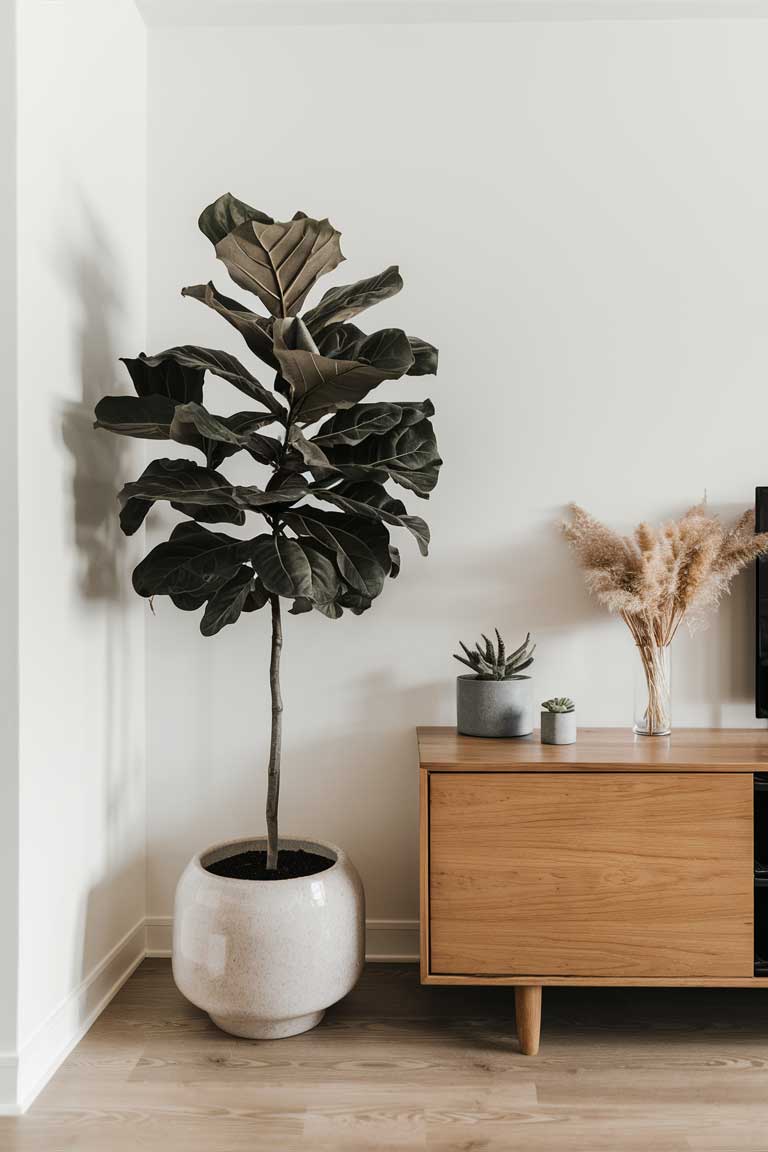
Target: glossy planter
(494, 708)
(265, 958)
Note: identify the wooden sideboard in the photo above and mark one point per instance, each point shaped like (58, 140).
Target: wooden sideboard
(617, 860)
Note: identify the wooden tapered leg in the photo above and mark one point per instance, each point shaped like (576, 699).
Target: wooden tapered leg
(528, 1017)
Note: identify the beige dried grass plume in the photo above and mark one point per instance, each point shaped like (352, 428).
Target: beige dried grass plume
(657, 577)
(660, 575)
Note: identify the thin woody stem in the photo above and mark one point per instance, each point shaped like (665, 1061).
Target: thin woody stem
(273, 777)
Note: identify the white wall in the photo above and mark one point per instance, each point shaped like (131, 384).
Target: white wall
(578, 213)
(578, 210)
(9, 584)
(82, 286)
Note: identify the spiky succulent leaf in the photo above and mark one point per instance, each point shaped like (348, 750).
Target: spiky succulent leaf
(559, 704)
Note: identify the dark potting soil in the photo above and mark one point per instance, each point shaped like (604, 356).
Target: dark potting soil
(291, 863)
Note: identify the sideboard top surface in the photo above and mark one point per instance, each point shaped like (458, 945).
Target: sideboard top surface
(599, 749)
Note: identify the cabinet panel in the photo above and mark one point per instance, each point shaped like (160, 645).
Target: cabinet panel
(625, 875)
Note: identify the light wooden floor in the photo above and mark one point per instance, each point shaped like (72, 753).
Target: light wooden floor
(400, 1066)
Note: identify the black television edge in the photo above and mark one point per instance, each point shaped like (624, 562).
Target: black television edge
(761, 609)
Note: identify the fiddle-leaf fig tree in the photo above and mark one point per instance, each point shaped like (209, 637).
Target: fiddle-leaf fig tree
(326, 513)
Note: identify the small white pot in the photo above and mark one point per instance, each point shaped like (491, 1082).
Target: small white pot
(265, 958)
(558, 727)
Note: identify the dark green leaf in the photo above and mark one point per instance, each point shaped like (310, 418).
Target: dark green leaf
(135, 508)
(388, 350)
(224, 365)
(160, 377)
(424, 357)
(257, 596)
(356, 424)
(225, 214)
(394, 555)
(190, 601)
(180, 480)
(185, 483)
(280, 261)
(368, 499)
(311, 455)
(192, 421)
(300, 606)
(347, 300)
(256, 330)
(356, 602)
(340, 341)
(147, 417)
(282, 566)
(133, 514)
(192, 561)
(406, 454)
(320, 384)
(326, 583)
(226, 604)
(209, 513)
(361, 546)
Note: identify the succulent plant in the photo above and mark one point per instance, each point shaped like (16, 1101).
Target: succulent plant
(559, 704)
(492, 663)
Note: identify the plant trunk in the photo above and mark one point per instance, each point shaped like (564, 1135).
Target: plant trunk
(275, 743)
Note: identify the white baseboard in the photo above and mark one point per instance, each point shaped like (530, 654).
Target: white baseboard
(9, 1067)
(49, 1045)
(24, 1075)
(386, 941)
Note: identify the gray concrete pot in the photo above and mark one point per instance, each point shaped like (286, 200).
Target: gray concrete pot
(265, 958)
(558, 727)
(494, 708)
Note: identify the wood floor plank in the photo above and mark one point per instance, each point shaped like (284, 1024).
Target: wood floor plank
(397, 1065)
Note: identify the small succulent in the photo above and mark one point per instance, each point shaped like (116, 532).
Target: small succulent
(492, 663)
(559, 704)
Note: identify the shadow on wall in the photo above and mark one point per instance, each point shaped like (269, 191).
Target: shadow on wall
(101, 462)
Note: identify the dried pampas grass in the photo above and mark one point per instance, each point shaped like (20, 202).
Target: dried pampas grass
(659, 576)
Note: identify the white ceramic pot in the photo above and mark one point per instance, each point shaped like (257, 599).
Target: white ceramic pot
(265, 958)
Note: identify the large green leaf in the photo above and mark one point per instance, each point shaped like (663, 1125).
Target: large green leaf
(326, 582)
(360, 545)
(185, 483)
(388, 350)
(282, 566)
(159, 418)
(227, 602)
(425, 357)
(192, 561)
(180, 480)
(225, 214)
(226, 366)
(368, 499)
(256, 330)
(191, 422)
(146, 417)
(346, 341)
(339, 341)
(280, 261)
(134, 509)
(406, 454)
(153, 376)
(355, 424)
(305, 454)
(320, 384)
(347, 300)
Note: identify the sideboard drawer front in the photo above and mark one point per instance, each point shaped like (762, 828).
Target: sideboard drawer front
(609, 874)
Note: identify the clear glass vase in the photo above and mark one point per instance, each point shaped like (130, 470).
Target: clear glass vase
(653, 696)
